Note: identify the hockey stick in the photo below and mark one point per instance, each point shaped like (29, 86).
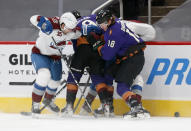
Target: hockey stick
(30, 113)
(54, 97)
(77, 83)
(81, 96)
(82, 93)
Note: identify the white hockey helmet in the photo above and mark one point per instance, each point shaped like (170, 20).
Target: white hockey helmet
(69, 20)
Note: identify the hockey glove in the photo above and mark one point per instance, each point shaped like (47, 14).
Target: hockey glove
(86, 29)
(97, 44)
(45, 25)
(92, 38)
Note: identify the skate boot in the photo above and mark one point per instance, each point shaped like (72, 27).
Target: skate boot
(99, 111)
(111, 111)
(106, 110)
(136, 109)
(137, 112)
(35, 108)
(67, 111)
(85, 110)
(50, 105)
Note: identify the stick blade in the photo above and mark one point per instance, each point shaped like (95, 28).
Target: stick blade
(26, 113)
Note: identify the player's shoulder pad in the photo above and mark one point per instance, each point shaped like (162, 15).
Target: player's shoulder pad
(55, 22)
(115, 29)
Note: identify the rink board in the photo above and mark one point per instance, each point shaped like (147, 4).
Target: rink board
(167, 76)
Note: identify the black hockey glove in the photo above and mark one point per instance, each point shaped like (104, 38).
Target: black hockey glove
(94, 40)
(97, 44)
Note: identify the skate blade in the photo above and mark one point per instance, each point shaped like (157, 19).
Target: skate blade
(143, 115)
(26, 113)
(129, 117)
(99, 115)
(36, 115)
(70, 114)
(50, 110)
(83, 112)
(106, 115)
(112, 115)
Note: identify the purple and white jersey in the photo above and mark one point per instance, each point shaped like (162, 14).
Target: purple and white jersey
(118, 38)
(85, 19)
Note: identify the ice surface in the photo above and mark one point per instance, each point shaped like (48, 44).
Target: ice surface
(12, 122)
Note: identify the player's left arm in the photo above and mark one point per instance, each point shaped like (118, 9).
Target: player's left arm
(145, 31)
(63, 40)
(43, 23)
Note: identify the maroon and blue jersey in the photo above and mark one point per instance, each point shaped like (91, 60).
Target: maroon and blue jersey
(118, 38)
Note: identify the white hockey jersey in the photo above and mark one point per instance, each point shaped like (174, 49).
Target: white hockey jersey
(45, 43)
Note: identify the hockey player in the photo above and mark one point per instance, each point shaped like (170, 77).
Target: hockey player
(46, 57)
(85, 56)
(127, 47)
(147, 33)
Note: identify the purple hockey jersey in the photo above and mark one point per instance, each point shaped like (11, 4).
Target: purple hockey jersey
(118, 38)
(82, 19)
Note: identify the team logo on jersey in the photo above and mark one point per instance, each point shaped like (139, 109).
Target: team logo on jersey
(110, 32)
(87, 22)
(55, 20)
(59, 33)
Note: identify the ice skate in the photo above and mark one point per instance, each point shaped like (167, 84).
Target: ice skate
(67, 111)
(111, 109)
(35, 109)
(85, 110)
(51, 106)
(99, 111)
(137, 112)
(105, 110)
